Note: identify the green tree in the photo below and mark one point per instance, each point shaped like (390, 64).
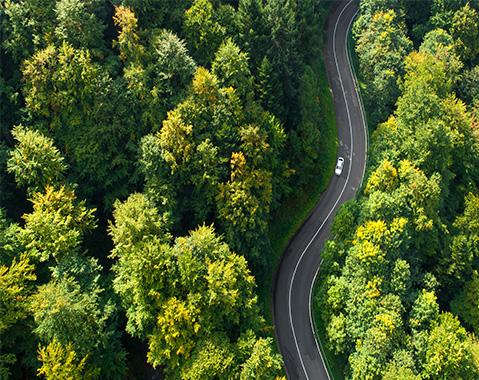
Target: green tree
(182, 296)
(381, 47)
(263, 362)
(365, 300)
(212, 357)
(267, 84)
(30, 25)
(243, 204)
(175, 334)
(73, 99)
(424, 311)
(78, 25)
(468, 89)
(440, 44)
(252, 29)
(464, 247)
(158, 13)
(203, 31)
(186, 161)
(16, 283)
(65, 312)
(144, 266)
(466, 305)
(128, 40)
(442, 12)
(282, 51)
(35, 162)
(428, 111)
(157, 67)
(402, 366)
(230, 66)
(56, 225)
(306, 137)
(464, 30)
(448, 352)
(173, 68)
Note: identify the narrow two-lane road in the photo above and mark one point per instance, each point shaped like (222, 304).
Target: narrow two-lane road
(301, 261)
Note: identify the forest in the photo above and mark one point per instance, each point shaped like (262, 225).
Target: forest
(399, 291)
(144, 147)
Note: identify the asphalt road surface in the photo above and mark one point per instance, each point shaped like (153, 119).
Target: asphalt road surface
(301, 261)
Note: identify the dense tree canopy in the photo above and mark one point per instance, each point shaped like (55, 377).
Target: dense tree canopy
(146, 146)
(191, 298)
(404, 254)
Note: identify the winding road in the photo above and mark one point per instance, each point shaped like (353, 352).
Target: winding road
(301, 261)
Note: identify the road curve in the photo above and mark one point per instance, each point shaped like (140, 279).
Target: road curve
(301, 261)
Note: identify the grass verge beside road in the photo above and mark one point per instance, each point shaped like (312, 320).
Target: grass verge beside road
(294, 210)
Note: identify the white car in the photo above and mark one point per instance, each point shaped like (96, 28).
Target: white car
(339, 166)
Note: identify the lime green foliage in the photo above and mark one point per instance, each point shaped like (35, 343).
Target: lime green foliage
(232, 171)
(407, 247)
(243, 214)
(113, 102)
(35, 162)
(262, 363)
(189, 299)
(17, 276)
(143, 267)
(213, 357)
(16, 282)
(449, 351)
(464, 30)
(56, 225)
(65, 312)
(86, 112)
(230, 66)
(61, 363)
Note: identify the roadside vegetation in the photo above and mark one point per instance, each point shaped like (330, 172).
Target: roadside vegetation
(151, 156)
(397, 298)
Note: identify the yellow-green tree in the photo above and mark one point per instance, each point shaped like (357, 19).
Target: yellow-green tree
(35, 161)
(61, 363)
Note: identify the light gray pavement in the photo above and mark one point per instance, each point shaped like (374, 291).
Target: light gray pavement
(300, 264)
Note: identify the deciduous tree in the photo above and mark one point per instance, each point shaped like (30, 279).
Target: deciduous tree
(35, 162)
